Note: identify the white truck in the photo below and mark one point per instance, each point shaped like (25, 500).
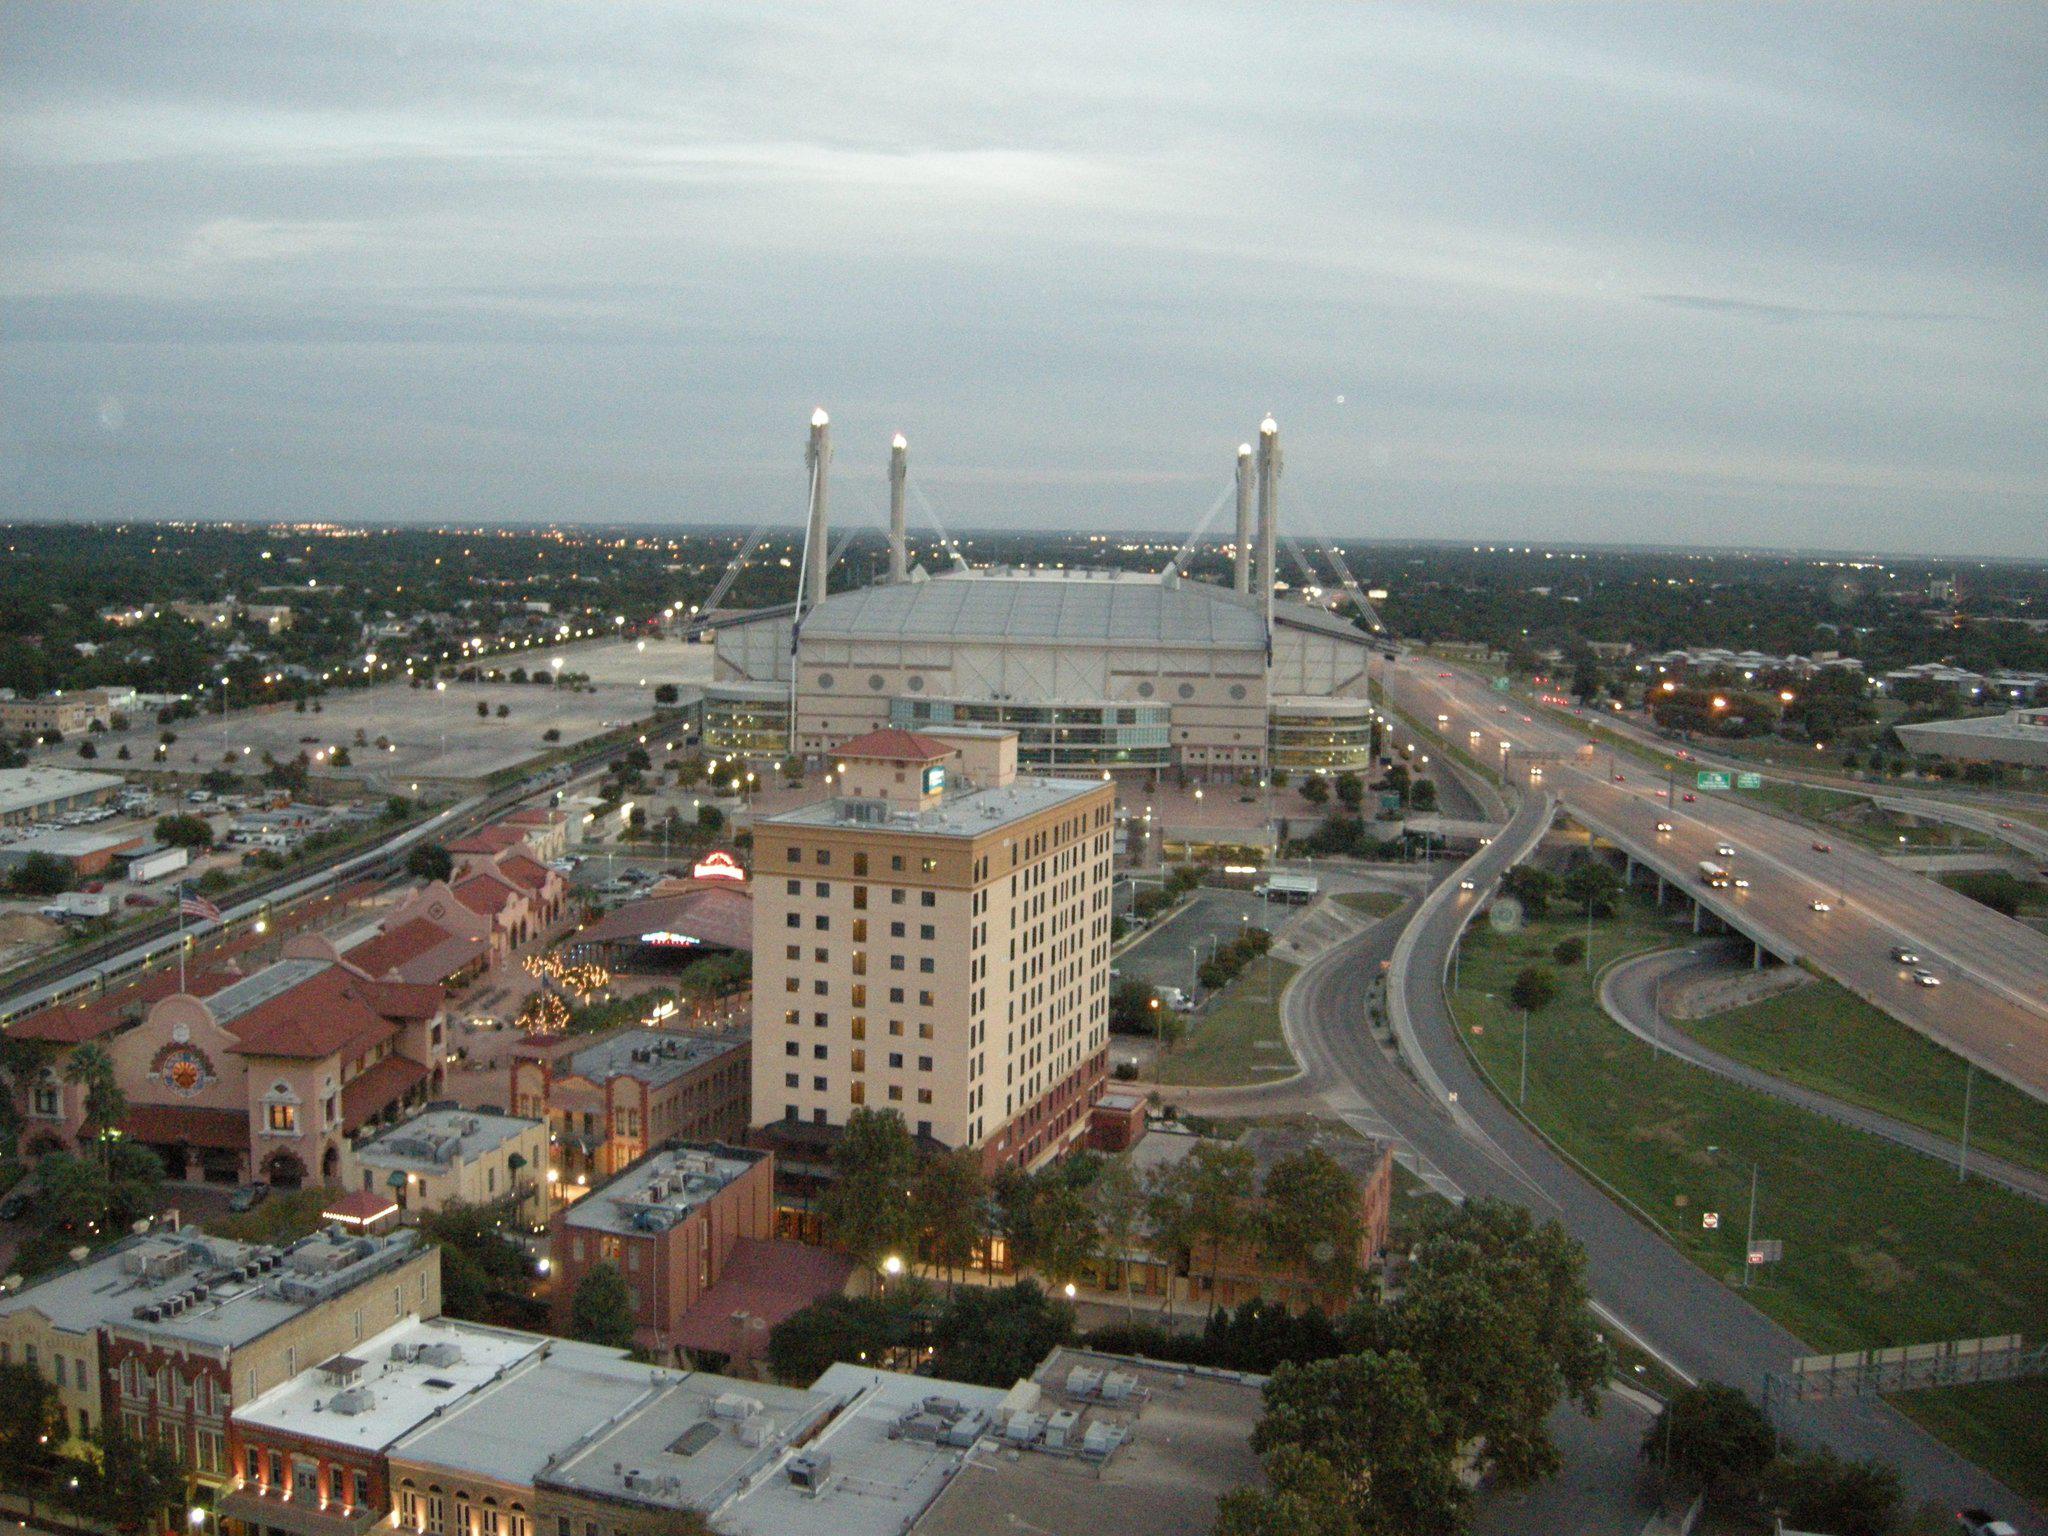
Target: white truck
(78, 904)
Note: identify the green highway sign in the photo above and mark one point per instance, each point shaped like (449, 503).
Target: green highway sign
(1712, 778)
(1749, 781)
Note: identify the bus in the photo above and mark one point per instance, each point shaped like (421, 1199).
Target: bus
(1714, 874)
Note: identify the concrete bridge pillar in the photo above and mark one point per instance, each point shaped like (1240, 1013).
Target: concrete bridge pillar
(1698, 911)
(1660, 890)
(1756, 955)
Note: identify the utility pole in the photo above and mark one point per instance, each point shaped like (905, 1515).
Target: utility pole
(1969, 1083)
(1749, 1241)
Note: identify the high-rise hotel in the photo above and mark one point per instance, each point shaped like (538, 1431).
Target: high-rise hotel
(934, 939)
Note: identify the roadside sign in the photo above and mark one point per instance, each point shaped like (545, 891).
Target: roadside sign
(1711, 778)
(1767, 1250)
(1749, 781)
(1711, 1220)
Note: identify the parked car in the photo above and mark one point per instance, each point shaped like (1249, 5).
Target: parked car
(1981, 1522)
(248, 1197)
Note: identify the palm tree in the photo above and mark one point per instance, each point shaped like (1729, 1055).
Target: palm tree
(93, 1069)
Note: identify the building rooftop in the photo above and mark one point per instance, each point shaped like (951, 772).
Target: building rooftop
(661, 1189)
(247, 1289)
(76, 845)
(2014, 725)
(390, 1383)
(495, 1431)
(967, 813)
(696, 1442)
(654, 1056)
(437, 1139)
(883, 1459)
(1051, 607)
(23, 789)
(710, 912)
(1179, 1437)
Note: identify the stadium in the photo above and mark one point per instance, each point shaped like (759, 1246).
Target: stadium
(1100, 670)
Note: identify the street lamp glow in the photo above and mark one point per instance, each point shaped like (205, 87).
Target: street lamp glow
(892, 1265)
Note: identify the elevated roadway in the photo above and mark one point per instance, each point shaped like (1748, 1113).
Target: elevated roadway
(1838, 908)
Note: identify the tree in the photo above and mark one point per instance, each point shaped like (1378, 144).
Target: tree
(185, 831)
(87, 750)
(1497, 1318)
(1422, 795)
(996, 1337)
(1350, 791)
(1304, 1496)
(1818, 1491)
(31, 1421)
(135, 1179)
(40, 874)
(867, 1210)
(1569, 951)
(1534, 988)
(1171, 1216)
(1593, 881)
(1133, 1007)
(1117, 1198)
(138, 1481)
(1219, 1192)
(483, 709)
(1310, 1216)
(429, 861)
(92, 1069)
(950, 1195)
(601, 1311)
(710, 819)
(665, 693)
(1531, 886)
(1369, 1418)
(1315, 789)
(858, 1330)
(1712, 1438)
(1047, 1214)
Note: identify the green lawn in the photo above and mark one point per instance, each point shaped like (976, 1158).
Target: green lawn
(1224, 1040)
(1882, 1246)
(1825, 1038)
(287, 1214)
(1374, 904)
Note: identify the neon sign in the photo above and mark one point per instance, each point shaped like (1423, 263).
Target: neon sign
(717, 865)
(663, 938)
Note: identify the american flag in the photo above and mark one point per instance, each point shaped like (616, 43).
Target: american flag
(193, 905)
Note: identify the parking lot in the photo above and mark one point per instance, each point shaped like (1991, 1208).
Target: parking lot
(426, 732)
(1169, 955)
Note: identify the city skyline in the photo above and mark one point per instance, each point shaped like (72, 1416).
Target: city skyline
(1733, 278)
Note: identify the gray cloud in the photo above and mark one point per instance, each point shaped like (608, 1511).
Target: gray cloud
(1728, 275)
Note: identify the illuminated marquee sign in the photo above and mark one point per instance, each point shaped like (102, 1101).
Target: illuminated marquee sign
(935, 778)
(717, 865)
(664, 939)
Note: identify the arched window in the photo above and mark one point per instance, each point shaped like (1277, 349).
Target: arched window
(408, 1506)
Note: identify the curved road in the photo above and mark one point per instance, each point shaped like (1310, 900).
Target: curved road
(1480, 1147)
(1628, 992)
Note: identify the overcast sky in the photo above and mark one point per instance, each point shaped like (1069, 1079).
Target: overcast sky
(1693, 273)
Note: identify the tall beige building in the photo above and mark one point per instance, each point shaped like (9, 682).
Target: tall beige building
(934, 939)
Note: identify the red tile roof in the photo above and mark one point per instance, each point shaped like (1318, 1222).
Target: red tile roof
(894, 745)
(488, 840)
(534, 816)
(376, 1087)
(767, 1280)
(71, 1023)
(720, 916)
(360, 1207)
(484, 893)
(167, 1125)
(391, 949)
(524, 871)
(336, 1012)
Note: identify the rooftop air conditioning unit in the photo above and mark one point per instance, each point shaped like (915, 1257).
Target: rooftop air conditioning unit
(810, 1470)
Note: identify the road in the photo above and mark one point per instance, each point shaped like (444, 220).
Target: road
(1629, 994)
(1461, 1138)
(1990, 1005)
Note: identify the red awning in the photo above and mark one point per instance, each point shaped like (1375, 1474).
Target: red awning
(376, 1088)
(170, 1125)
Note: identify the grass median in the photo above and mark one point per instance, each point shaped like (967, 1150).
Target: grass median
(1826, 1038)
(1374, 904)
(1881, 1245)
(1236, 1037)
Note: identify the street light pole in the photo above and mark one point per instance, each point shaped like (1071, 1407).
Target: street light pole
(1522, 1092)
(1969, 1084)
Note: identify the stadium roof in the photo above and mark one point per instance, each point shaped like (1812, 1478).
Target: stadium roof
(1049, 609)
